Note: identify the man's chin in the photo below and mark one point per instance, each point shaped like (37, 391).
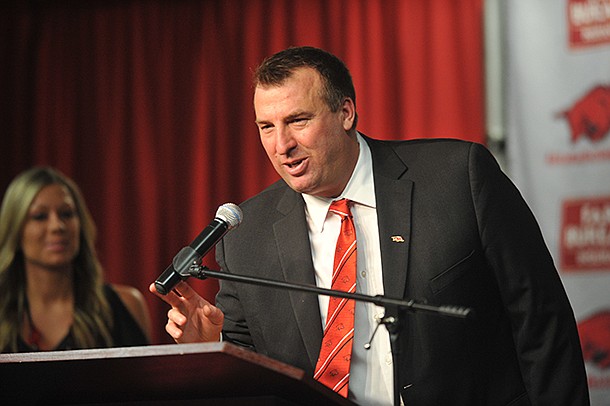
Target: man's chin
(298, 185)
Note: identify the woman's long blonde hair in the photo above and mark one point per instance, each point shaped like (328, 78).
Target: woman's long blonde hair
(92, 314)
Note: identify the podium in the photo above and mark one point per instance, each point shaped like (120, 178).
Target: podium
(173, 374)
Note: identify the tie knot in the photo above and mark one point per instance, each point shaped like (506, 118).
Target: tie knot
(340, 207)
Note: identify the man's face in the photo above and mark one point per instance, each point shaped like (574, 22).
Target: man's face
(308, 144)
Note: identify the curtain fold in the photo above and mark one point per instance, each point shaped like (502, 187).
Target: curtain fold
(148, 104)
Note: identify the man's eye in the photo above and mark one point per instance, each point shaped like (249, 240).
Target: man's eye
(300, 121)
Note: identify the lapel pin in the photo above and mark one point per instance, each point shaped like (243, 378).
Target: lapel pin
(397, 238)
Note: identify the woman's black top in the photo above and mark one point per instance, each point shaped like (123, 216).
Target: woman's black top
(126, 331)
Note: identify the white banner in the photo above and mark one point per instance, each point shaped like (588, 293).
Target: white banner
(557, 81)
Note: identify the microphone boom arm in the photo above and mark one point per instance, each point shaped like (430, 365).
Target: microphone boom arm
(203, 272)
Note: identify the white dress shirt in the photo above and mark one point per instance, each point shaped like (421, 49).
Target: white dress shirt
(371, 379)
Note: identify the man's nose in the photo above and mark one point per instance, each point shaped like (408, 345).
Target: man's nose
(285, 141)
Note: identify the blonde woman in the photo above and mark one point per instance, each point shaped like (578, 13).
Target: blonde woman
(53, 293)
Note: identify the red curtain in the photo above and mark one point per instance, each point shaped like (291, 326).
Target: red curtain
(148, 104)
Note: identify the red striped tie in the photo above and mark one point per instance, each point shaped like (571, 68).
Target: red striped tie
(333, 363)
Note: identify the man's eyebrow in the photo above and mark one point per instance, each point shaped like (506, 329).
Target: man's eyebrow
(289, 117)
(298, 114)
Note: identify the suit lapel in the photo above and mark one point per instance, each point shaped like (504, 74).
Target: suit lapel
(297, 267)
(393, 193)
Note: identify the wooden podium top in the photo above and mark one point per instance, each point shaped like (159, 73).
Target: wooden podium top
(184, 374)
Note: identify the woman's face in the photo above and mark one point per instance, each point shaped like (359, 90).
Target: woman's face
(51, 232)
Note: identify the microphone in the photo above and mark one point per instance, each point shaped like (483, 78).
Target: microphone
(228, 217)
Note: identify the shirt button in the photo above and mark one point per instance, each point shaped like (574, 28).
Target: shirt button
(363, 274)
(388, 359)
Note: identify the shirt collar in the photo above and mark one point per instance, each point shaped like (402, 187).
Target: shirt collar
(360, 188)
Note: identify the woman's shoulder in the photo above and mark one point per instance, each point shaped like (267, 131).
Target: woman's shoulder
(135, 303)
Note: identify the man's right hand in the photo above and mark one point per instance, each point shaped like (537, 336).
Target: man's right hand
(191, 319)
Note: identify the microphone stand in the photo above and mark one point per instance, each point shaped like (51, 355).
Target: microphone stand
(395, 309)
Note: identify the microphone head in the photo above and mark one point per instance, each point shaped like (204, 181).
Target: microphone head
(231, 214)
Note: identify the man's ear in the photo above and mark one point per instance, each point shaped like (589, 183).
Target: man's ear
(348, 109)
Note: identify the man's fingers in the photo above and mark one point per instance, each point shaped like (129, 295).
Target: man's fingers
(175, 316)
(185, 290)
(174, 331)
(171, 298)
(214, 315)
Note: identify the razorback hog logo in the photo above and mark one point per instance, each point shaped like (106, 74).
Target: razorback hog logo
(590, 116)
(595, 339)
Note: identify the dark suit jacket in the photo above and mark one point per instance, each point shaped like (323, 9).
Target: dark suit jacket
(470, 240)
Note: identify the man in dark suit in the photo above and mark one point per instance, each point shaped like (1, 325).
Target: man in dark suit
(436, 221)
